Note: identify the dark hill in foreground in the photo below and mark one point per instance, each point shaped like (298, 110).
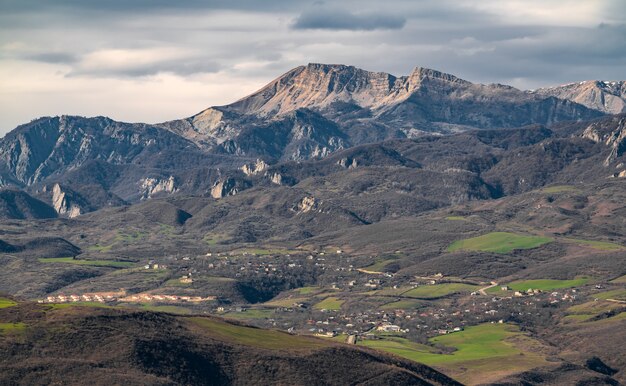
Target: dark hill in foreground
(79, 345)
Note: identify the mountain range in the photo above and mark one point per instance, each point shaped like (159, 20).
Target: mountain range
(77, 164)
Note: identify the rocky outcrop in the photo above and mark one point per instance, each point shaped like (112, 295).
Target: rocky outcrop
(63, 203)
(151, 186)
(348, 163)
(307, 204)
(276, 178)
(610, 132)
(254, 168)
(225, 187)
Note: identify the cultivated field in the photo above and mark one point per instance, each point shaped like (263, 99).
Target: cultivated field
(499, 242)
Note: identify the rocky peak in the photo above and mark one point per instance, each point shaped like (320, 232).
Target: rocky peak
(317, 85)
(419, 74)
(606, 96)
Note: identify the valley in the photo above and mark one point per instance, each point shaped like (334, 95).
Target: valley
(289, 225)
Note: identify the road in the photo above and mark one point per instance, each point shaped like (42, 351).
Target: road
(483, 290)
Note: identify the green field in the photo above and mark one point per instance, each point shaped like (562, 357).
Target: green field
(285, 302)
(560, 189)
(60, 306)
(545, 284)
(439, 290)
(456, 218)
(5, 303)
(499, 242)
(307, 290)
(330, 303)
(101, 248)
(253, 313)
(169, 309)
(130, 237)
(480, 351)
(618, 294)
(389, 291)
(93, 263)
(577, 318)
(600, 245)
(593, 308)
(12, 327)
(255, 337)
(379, 266)
(405, 304)
(211, 239)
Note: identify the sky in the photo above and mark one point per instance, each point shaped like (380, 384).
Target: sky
(158, 60)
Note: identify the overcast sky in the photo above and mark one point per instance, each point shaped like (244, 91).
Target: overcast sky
(156, 60)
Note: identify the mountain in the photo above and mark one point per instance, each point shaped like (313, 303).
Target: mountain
(78, 165)
(369, 107)
(606, 96)
(78, 345)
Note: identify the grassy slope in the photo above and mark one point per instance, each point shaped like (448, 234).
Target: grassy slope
(5, 303)
(547, 284)
(249, 336)
(482, 352)
(599, 245)
(560, 189)
(439, 290)
(618, 294)
(499, 242)
(404, 304)
(12, 327)
(619, 280)
(94, 263)
(379, 266)
(330, 303)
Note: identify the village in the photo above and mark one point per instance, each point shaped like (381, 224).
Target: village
(341, 297)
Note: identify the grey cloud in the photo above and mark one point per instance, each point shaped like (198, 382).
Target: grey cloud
(182, 67)
(145, 5)
(52, 57)
(334, 18)
(254, 41)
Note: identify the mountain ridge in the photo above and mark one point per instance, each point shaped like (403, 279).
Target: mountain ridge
(605, 96)
(308, 113)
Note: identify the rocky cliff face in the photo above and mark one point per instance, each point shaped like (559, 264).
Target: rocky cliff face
(227, 187)
(152, 186)
(47, 146)
(425, 100)
(610, 132)
(63, 204)
(605, 96)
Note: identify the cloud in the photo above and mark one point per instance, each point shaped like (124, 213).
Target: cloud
(142, 62)
(123, 58)
(52, 57)
(321, 16)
